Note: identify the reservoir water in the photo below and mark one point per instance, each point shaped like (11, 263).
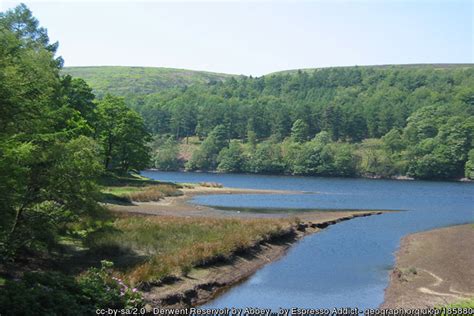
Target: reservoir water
(345, 265)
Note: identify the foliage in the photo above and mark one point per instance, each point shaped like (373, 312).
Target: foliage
(375, 160)
(231, 158)
(122, 135)
(469, 172)
(52, 293)
(53, 141)
(107, 290)
(267, 158)
(407, 107)
(166, 155)
(444, 154)
(463, 307)
(205, 157)
(300, 131)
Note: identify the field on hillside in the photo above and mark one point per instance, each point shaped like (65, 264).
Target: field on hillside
(125, 81)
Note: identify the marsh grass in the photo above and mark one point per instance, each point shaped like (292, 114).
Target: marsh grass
(144, 194)
(173, 246)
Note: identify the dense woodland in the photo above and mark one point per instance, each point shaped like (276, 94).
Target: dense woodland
(56, 140)
(352, 121)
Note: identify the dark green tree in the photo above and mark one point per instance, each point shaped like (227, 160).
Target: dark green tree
(166, 156)
(231, 159)
(300, 131)
(469, 168)
(122, 134)
(205, 158)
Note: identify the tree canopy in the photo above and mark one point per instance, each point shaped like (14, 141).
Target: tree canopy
(54, 139)
(393, 121)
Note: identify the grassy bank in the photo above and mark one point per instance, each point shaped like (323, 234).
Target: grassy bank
(151, 248)
(126, 189)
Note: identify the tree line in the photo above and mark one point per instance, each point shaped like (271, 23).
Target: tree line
(414, 121)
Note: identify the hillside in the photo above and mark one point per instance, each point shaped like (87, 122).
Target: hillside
(415, 121)
(388, 66)
(128, 81)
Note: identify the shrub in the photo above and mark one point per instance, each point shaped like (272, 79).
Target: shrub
(106, 290)
(211, 184)
(53, 293)
(166, 157)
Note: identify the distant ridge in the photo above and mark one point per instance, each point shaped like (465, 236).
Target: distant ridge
(387, 66)
(135, 82)
(126, 81)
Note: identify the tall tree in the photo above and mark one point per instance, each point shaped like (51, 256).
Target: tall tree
(122, 134)
(300, 131)
(47, 165)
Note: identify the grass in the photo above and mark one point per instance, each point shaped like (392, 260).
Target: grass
(458, 308)
(127, 189)
(148, 248)
(169, 246)
(141, 194)
(132, 81)
(130, 180)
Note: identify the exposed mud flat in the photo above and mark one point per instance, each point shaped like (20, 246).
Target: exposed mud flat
(433, 268)
(180, 206)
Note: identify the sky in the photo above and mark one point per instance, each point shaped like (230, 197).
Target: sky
(257, 37)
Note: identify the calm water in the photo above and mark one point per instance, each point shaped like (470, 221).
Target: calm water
(346, 264)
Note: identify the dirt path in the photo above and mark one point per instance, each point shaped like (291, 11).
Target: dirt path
(433, 268)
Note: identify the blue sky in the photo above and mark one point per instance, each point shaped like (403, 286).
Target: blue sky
(257, 37)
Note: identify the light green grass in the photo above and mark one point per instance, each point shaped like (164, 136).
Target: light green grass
(458, 308)
(127, 81)
(121, 191)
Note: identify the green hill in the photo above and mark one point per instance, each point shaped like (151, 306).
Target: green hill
(136, 81)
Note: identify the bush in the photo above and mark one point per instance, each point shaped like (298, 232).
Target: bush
(469, 168)
(44, 294)
(105, 290)
(166, 157)
(211, 184)
(231, 159)
(54, 293)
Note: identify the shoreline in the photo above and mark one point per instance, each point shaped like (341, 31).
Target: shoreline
(206, 282)
(371, 177)
(433, 268)
(181, 206)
